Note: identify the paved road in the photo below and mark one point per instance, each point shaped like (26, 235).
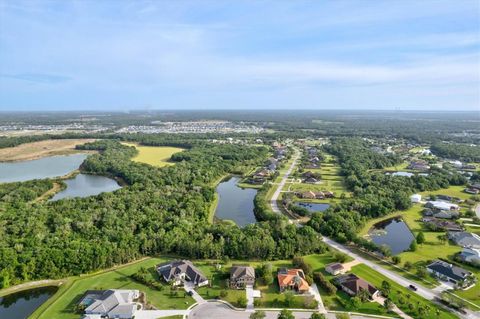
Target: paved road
(424, 292)
(477, 210)
(154, 314)
(218, 310)
(273, 201)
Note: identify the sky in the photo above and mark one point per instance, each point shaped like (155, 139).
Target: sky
(139, 55)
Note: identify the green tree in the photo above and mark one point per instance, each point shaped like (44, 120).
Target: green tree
(286, 314)
(289, 296)
(317, 315)
(355, 302)
(242, 301)
(396, 260)
(258, 314)
(385, 288)
(420, 238)
(413, 245)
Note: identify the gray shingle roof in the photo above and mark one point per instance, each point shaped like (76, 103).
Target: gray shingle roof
(449, 270)
(173, 269)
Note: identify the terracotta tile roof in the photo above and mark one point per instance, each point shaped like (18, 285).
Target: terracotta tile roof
(292, 277)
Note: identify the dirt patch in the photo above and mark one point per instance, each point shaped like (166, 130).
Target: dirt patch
(348, 266)
(35, 150)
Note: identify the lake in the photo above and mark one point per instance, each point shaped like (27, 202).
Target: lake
(22, 304)
(235, 203)
(47, 167)
(84, 185)
(313, 207)
(393, 233)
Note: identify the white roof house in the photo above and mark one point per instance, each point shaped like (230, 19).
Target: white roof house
(114, 304)
(416, 198)
(441, 205)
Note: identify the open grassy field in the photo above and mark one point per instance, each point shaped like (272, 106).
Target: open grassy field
(154, 155)
(61, 305)
(35, 150)
(398, 292)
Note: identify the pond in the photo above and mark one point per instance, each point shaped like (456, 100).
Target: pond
(84, 185)
(22, 304)
(235, 203)
(314, 207)
(46, 167)
(393, 233)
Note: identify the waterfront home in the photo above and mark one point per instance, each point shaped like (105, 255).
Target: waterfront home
(111, 303)
(451, 273)
(352, 285)
(335, 268)
(178, 271)
(470, 255)
(292, 279)
(241, 276)
(436, 224)
(464, 239)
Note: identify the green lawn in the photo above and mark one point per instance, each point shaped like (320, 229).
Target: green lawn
(61, 305)
(397, 291)
(154, 155)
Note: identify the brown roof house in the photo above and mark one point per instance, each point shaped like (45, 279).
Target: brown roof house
(292, 279)
(335, 269)
(352, 285)
(241, 277)
(177, 271)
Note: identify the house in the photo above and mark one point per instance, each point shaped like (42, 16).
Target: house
(470, 255)
(448, 272)
(419, 166)
(328, 194)
(416, 198)
(439, 224)
(464, 239)
(241, 276)
(310, 180)
(441, 205)
(292, 279)
(475, 186)
(471, 190)
(307, 195)
(335, 269)
(111, 303)
(352, 285)
(446, 214)
(469, 166)
(177, 271)
(308, 174)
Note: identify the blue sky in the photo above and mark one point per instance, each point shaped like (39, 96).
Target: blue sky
(124, 55)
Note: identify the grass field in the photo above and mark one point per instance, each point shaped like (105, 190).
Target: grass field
(61, 305)
(397, 290)
(35, 150)
(158, 156)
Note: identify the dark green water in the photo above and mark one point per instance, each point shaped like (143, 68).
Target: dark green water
(22, 304)
(84, 185)
(235, 203)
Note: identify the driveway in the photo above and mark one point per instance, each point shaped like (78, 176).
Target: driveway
(316, 295)
(249, 291)
(189, 287)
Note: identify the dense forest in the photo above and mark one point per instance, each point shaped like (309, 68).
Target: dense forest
(375, 194)
(159, 211)
(463, 152)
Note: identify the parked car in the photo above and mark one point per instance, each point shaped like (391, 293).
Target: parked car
(412, 287)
